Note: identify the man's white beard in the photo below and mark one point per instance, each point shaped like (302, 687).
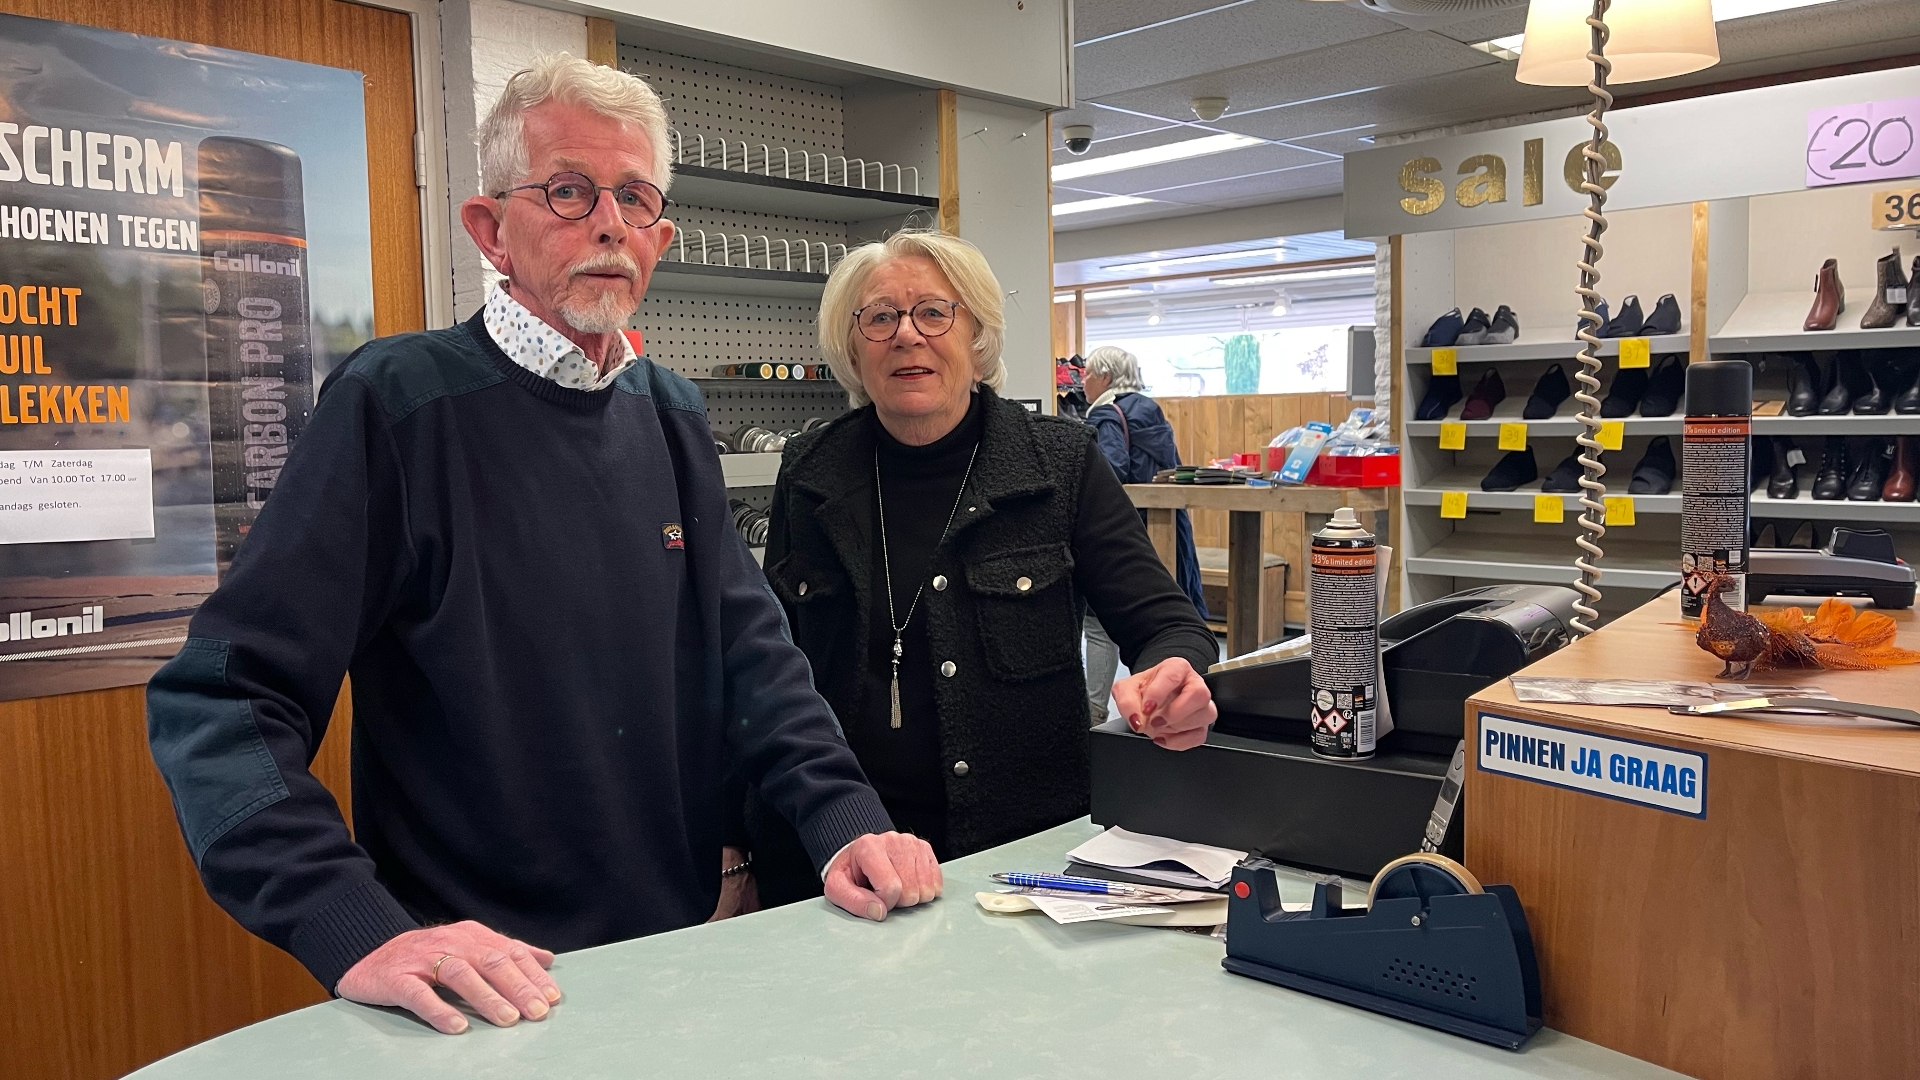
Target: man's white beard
(607, 315)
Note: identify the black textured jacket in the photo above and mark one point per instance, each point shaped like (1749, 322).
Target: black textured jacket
(1043, 531)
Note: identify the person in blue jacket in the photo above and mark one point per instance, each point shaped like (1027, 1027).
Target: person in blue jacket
(1137, 441)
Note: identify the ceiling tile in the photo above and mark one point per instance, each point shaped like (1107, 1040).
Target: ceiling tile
(1144, 140)
(1254, 159)
(1237, 36)
(1099, 18)
(1486, 27)
(1287, 178)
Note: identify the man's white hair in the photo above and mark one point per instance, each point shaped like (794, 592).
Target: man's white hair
(560, 77)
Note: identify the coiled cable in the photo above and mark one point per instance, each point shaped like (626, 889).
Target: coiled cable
(1593, 492)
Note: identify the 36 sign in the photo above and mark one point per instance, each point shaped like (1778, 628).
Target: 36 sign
(1897, 209)
(1851, 144)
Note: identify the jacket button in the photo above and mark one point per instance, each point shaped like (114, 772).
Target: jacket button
(948, 669)
(960, 768)
(939, 583)
(801, 589)
(1023, 584)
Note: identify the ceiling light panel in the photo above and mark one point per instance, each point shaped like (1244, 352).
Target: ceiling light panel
(1258, 158)
(1153, 155)
(1105, 202)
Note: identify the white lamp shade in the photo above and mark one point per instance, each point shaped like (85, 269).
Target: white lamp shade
(1648, 39)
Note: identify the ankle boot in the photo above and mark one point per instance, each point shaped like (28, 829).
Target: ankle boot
(1665, 318)
(1847, 380)
(1913, 310)
(1548, 393)
(1665, 386)
(1628, 322)
(1907, 402)
(1831, 481)
(1783, 483)
(1442, 392)
(1809, 385)
(1870, 475)
(1906, 462)
(1889, 294)
(1878, 399)
(1654, 474)
(1487, 393)
(1829, 298)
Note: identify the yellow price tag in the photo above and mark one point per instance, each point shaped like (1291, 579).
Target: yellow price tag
(1635, 352)
(1453, 436)
(1549, 509)
(1611, 432)
(1619, 510)
(1453, 504)
(1446, 362)
(1513, 436)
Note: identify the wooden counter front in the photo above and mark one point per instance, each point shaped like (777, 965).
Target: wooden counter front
(1778, 935)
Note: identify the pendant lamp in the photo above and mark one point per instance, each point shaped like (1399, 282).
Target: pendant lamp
(1648, 39)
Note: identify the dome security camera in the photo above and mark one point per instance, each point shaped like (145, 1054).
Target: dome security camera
(1208, 109)
(1078, 137)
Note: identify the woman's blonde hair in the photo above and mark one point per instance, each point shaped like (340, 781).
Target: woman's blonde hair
(963, 265)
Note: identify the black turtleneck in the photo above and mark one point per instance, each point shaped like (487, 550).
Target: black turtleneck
(920, 484)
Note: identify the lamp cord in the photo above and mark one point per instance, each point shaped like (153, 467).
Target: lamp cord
(1593, 492)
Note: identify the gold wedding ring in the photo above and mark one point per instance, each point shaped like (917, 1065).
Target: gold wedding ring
(433, 976)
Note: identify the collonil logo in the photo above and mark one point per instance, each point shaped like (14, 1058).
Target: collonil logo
(22, 625)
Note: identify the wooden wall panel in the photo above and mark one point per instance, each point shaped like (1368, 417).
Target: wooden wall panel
(1213, 427)
(111, 951)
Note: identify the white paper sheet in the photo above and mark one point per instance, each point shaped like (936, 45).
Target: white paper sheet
(1066, 912)
(1159, 859)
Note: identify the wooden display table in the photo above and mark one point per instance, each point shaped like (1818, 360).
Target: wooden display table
(1244, 505)
(1777, 933)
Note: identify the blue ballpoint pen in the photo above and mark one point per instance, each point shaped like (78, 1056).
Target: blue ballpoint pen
(1069, 884)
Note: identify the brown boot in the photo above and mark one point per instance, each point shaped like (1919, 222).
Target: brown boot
(1889, 294)
(1900, 479)
(1829, 299)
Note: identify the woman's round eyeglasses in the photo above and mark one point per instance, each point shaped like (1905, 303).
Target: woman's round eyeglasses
(573, 196)
(880, 322)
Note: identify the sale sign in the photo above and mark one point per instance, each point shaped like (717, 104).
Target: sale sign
(1851, 144)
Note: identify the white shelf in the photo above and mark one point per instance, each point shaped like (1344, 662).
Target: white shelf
(1508, 411)
(1658, 345)
(671, 275)
(734, 190)
(1522, 497)
(1804, 505)
(1771, 321)
(1548, 560)
(750, 470)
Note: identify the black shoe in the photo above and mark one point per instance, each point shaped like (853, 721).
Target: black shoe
(1759, 463)
(1831, 482)
(1444, 331)
(1907, 402)
(1504, 329)
(1491, 390)
(1654, 474)
(1809, 385)
(1474, 330)
(1565, 477)
(1516, 468)
(1628, 322)
(1870, 475)
(1624, 395)
(1847, 380)
(1876, 401)
(1783, 482)
(1548, 393)
(1442, 392)
(1665, 318)
(1599, 309)
(1664, 387)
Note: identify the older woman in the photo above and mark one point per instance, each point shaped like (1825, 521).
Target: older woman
(1137, 441)
(934, 549)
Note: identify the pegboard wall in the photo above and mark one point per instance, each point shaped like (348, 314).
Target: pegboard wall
(737, 103)
(691, 334)
(771, 405)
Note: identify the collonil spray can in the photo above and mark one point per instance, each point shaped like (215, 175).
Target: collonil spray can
(253, 252)
(1343, 614)
(1715, 453)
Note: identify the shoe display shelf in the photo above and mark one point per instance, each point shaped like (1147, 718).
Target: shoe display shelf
(1762, 256)
(776, 177)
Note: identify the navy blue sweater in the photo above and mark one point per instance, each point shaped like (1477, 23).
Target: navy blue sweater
(559, 649)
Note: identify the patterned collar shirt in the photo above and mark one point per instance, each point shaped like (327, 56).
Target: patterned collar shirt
(530, 342)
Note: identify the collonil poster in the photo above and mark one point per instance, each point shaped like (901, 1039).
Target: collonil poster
(184, 255)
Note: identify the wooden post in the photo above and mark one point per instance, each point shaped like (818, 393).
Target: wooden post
(948, 135)
(1697, 332)
(603, 45)
(1243, 581)
(1160, 529)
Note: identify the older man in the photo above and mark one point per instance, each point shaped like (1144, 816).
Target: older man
(514, 534)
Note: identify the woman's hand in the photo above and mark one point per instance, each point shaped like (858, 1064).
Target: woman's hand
(1169, 701)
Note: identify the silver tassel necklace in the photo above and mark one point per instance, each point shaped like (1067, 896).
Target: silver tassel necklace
(886, 564)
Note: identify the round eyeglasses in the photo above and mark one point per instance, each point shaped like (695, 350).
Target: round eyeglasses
(880, 322)
(573, 196)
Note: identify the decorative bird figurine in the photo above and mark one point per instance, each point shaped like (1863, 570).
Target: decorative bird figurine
(1734, 636)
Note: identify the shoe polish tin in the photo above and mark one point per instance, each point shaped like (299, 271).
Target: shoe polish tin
(1716, 449)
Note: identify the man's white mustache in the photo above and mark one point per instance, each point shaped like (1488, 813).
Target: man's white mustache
(606, 264)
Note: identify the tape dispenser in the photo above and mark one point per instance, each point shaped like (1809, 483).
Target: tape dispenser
(1433, 946)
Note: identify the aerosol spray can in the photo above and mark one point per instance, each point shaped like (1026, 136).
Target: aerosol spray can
(1343, 613)
(1715, 455)
(253, 253)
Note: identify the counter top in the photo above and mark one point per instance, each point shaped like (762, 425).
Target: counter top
(945, 990)
(1650, 642)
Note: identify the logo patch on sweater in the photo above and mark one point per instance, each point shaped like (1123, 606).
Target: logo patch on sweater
(673, 537)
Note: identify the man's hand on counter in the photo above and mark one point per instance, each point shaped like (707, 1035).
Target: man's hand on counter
(1169, 702)
(882, 871)
(501, 978)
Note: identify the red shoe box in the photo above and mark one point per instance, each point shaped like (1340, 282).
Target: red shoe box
(1373, 470)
